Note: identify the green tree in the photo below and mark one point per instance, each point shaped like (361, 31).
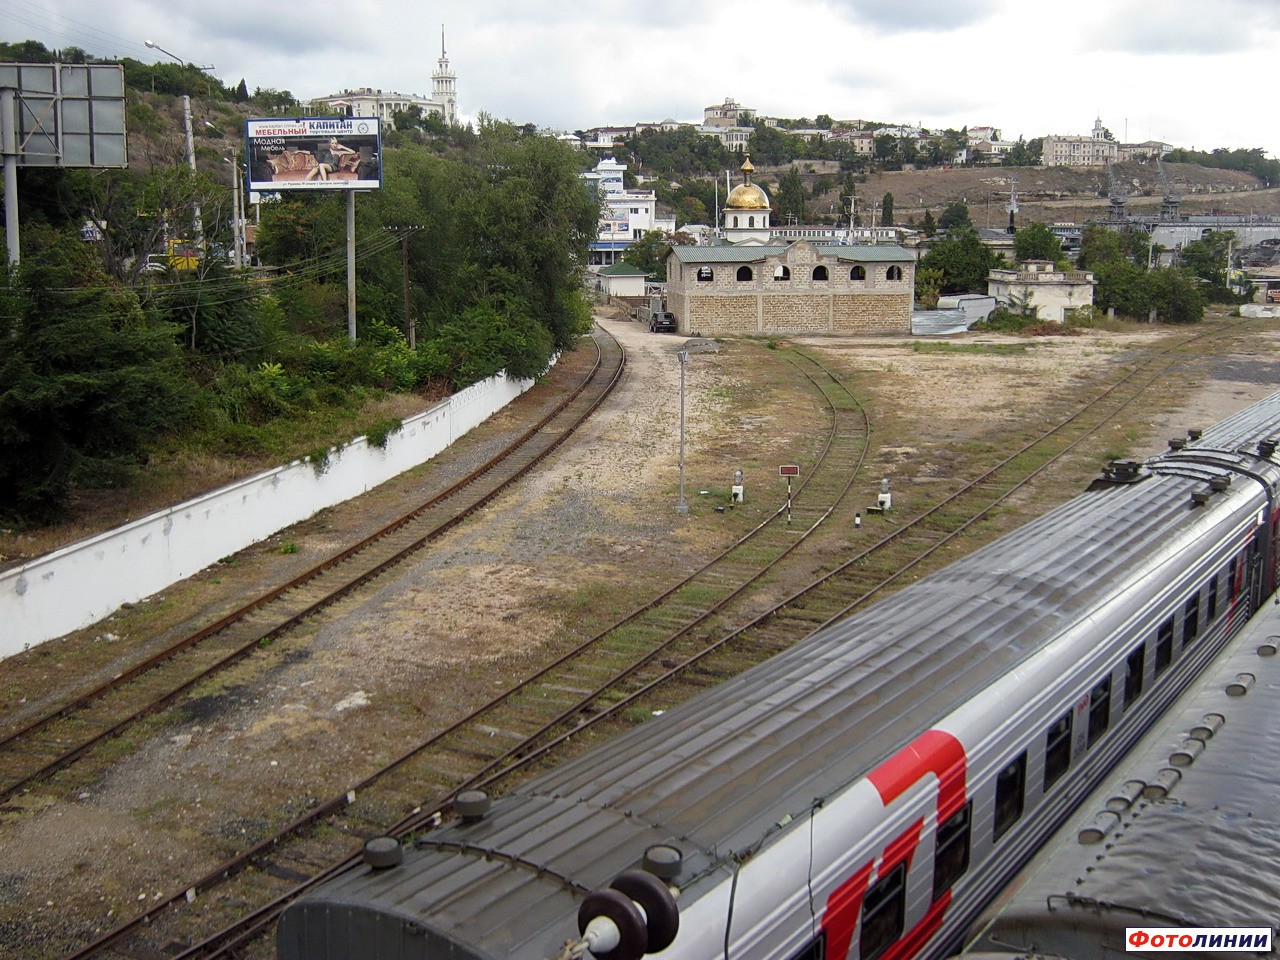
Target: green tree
(1175, 295)
(649, 253)
(1099, 246)
(1036, 241)
(961, 260)
(1025, 153)
(955, 217)
(791, 199)
(928, 226)
(771, 147)
(823, 121)
(86, 380)
(1206, 258)
(886, 210)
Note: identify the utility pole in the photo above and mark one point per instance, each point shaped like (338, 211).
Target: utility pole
(410, 331)
(191, 149)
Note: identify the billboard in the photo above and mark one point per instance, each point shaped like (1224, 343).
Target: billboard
(314, 153)
(67, 114)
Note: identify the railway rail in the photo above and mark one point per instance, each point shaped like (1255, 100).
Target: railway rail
(60, 737)
(678, 637)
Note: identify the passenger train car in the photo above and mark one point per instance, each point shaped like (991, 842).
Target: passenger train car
(866, 793)
(1184, 833)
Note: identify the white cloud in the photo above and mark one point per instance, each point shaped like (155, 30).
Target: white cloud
(1178, 71)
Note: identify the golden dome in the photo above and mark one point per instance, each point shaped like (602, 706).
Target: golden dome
(746, 195)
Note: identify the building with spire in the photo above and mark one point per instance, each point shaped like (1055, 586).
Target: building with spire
(444, 86)
(385, 104)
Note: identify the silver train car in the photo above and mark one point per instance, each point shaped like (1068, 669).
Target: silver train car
(866, 793)
(1184, 833)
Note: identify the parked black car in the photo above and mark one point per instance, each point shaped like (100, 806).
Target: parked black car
(662, 322)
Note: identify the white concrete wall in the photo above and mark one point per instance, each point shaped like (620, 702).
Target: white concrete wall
(81, 583)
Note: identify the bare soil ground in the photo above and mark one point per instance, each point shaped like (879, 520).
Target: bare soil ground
(590, 535)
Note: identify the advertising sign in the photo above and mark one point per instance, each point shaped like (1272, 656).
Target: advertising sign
(314, 153)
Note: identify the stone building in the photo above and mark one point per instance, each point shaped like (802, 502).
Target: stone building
(754, 282)
(1037, 285)
(802, 287)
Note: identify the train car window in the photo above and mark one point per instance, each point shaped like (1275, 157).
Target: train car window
(951, 857)
(1099, 710)
(1010, 790)
(1212, 599)
(815, 949)
(1133, 675)
(1057, 750)
(1164, 646)
(1191, 619)
(884, 911)
(1231, 580)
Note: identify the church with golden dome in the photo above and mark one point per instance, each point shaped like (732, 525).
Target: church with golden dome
(751, 281)
(746, 212)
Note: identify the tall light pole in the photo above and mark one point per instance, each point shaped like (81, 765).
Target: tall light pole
(237, 221)
(191, 145)
(682, 507)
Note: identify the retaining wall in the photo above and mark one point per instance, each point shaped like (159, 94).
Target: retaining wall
(81, 583)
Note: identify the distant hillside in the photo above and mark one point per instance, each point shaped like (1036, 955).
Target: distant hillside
(1044, 193)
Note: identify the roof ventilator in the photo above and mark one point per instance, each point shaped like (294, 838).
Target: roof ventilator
(471, 805)
(1165, 781)
(1219, 484)
(1267, 447)
(1177, 443)
(1194, 434)
(1200, 497)
(380, 853)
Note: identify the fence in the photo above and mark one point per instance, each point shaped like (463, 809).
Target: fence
(81, 583)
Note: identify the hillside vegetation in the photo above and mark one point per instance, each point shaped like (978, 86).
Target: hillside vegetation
(110, 371)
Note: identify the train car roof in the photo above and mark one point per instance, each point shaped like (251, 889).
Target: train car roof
(1204, 855)
(740, 761)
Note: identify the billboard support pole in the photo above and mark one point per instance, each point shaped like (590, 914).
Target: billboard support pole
(9, 147)
(351, 265)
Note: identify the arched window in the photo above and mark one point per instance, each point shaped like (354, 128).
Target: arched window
(735, 220)
(819, 273)
(782, 273)
(706, 275)
(893, 273)
(751, 222)
(858, 273)
(744, 273)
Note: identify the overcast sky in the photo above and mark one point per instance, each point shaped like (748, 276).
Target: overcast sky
(1188, 72)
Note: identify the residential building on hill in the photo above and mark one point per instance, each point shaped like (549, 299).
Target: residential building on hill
(728, 114)
(625, 215)
(1096, 150)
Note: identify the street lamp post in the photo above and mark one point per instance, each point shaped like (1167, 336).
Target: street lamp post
(191, 145)
(682, 507)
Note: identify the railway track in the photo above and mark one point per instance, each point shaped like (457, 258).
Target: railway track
(677, 638)
(268, 871)
(60, 737)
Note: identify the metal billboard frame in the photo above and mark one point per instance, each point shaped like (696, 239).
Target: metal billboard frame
(58, 115)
